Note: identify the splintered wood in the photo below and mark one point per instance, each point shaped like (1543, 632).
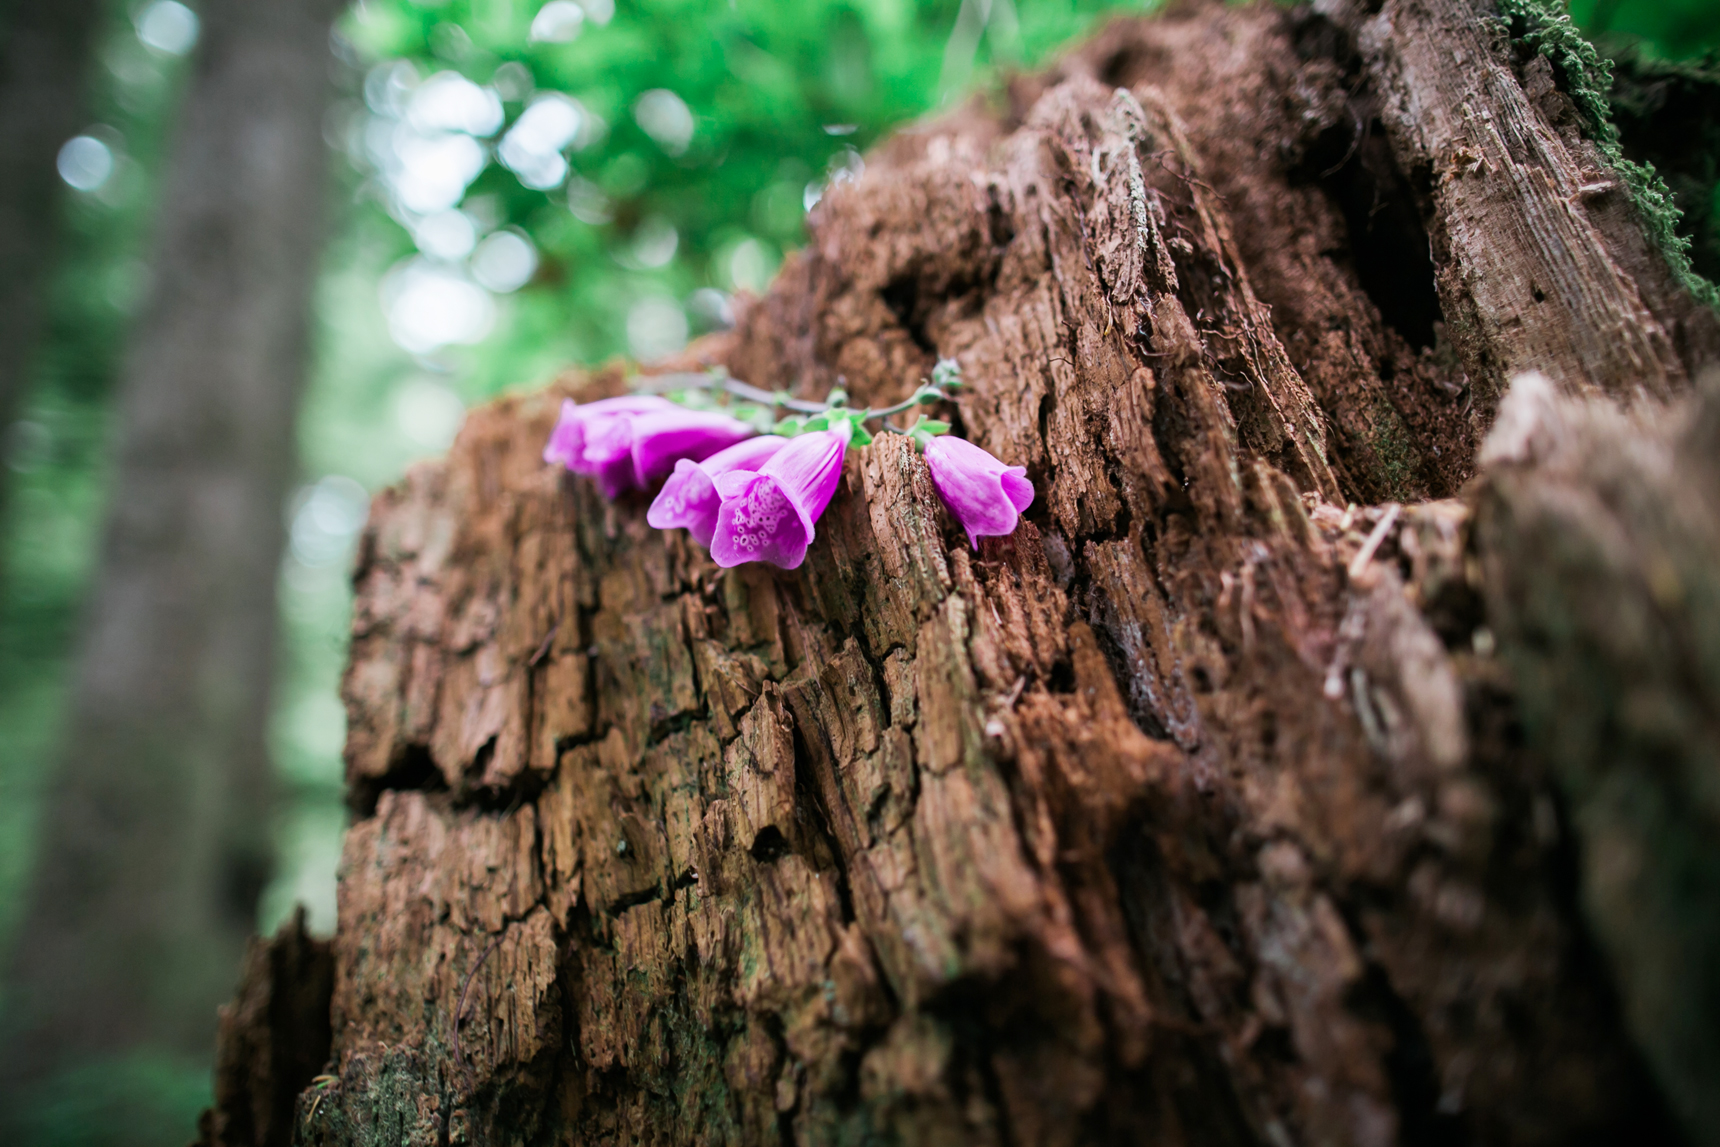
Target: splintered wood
(1175, 818)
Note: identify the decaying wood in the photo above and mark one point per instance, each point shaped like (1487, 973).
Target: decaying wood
(1545, 266)
(1209, 808)
(274, 1039)
(1599, 533)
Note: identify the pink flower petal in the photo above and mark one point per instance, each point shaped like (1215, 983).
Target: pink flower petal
(986, 496)
(588, 436)
(757, 522)
(809, 469)
(567, 439)
(662, 438)
(771, 516)
(689, 498)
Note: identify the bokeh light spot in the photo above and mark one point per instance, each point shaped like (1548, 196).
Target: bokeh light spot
(751, 265)
(712, 308)
(656, 326)
(587, 202)
(430, 173)
(504, 262)
(557, 22)
(430, 306)
(665, 117)
(168, 27)
(448, 101)
(654, 243)
(446, 235)
(532, 147)
(327, 516)
(428, 413)
(85, 162)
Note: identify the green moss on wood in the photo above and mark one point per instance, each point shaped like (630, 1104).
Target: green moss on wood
(1544, 27)
(1668, 112)
(1399, 460)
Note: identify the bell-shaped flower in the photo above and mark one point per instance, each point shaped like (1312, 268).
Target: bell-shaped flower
(985, 496)
(664, 437)
(769, 515)
(583, 423)
(629, 441)
(689, 498)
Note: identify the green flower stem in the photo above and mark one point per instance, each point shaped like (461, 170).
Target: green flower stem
(885, 412)
(665, 383)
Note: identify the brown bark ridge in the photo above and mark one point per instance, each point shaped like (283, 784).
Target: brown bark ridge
(274, 1039)
(1206, 809)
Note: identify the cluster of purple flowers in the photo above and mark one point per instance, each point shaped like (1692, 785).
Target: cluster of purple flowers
(757, 497)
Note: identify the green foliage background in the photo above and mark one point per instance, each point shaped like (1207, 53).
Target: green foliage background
(783, 93)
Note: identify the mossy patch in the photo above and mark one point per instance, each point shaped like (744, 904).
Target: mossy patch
(1668, 114)
(1587, 76)
(1395, 448)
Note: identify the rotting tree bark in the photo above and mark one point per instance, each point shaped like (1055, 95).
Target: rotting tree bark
(1207, 809)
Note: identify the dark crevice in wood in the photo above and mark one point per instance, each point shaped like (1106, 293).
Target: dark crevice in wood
(1423, 1121)
(769, 845)
(902, 296)
(811, 814)
(522, 789)
(414, 771)
(1353, 164)
(1351, 161)
(1127, 651)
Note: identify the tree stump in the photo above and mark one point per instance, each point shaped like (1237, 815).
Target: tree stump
(1233, 800)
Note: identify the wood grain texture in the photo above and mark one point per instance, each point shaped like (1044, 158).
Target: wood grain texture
(1199, 811)
(1614, 638)
(1541, 253)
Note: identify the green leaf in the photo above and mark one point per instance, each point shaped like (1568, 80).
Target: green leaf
(853, 421)
(755, 416)
(693, 399)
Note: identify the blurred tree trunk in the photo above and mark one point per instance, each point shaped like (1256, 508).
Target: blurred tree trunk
(44, 59)
(156, 835)
(1259, 790)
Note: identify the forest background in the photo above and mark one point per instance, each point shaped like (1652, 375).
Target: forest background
(519, 186)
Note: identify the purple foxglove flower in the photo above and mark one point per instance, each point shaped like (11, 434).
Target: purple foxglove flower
(689, 497)
(768, 516)
(626, 442)
(664, 437)
(985, 496)
(581, 421)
